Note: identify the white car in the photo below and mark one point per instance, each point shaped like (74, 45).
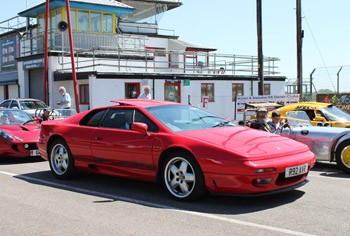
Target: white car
(28, 105)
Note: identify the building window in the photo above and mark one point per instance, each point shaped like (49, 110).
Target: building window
(107, 23)
(172, 92)
(41, 24)
(237, 90)
(84, 94)
(207, 90)
(73, 19)
(132, 90)
(157, 52)
(95, 22)
(83, 21)
(267, 89)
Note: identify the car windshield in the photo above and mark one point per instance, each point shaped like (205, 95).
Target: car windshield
(298, 118)
(184, 118)
(335, 114)
(14, 117)
(30, 104)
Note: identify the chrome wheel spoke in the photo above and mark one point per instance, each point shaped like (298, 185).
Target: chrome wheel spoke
(174, 170)
(174, 184)
(183, 166)
(64, 165)
(184, 187)
(189, 178)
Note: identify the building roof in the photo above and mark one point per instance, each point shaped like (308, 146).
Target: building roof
(98, 5)
(190, 46)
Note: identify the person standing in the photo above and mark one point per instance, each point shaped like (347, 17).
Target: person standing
(65, 102)
(146, 94)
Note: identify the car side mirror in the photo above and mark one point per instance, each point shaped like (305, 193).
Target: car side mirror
(140, 127)
(320, 118)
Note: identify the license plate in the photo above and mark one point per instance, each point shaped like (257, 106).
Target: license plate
(34, 152)
(296, 170)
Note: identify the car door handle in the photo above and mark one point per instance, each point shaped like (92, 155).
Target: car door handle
(98, 138)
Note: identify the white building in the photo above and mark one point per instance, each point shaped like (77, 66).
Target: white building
(117, 53)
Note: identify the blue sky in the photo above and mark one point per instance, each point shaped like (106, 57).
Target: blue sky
(230, 26)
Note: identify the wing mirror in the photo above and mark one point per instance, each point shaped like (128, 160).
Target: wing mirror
(140, 127)
(320, 118)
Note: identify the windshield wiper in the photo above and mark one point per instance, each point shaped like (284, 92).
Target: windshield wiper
(221, 124)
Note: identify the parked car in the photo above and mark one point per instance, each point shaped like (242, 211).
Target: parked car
(187, 149)
(28, 105)
(328, 143)
(18, 134)
(320, 112)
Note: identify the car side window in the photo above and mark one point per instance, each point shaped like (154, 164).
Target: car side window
(310, 114)
(118, 119)
(142, 118)
(5, 104)
(93, 119)
(14, 104)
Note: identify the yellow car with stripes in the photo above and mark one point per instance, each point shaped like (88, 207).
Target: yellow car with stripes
(320, 113)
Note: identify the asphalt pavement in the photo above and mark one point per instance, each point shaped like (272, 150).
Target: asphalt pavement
(33, 202)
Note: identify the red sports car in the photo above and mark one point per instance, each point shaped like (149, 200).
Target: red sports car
(187, 149)
(18, 134)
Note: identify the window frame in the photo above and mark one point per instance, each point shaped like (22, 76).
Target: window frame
(84, 100)
(237, 84)
(64, 18)
(269, 86)
(138, 89)
(178, 91)
(206, 91)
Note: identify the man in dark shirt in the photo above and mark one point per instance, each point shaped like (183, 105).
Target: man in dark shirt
(261, 120)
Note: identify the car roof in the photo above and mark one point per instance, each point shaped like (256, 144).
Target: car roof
(316, 105)
(144, 102)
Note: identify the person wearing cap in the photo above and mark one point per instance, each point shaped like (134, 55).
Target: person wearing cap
(275, 123)
(261, 120)
(46, 115)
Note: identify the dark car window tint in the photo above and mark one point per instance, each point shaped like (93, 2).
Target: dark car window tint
(142, 118)
(5, 104)
(93, 118)
(118, 119)
(14, 104)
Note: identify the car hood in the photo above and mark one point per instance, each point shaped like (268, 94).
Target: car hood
(29, 133)
(250, 143)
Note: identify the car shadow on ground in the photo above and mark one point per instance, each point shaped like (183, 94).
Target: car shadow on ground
(111, 189)
(327, 169)
(19, 160)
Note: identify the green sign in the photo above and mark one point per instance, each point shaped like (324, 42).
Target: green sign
(186, 82)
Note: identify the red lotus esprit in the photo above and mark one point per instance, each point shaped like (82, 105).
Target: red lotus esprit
(187, 149)
(18, 134)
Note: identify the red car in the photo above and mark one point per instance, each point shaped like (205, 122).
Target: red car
(187, 149)
(18, 134)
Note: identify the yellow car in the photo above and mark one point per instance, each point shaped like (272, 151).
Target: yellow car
(320, 112)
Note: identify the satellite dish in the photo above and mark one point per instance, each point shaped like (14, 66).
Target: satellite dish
(62, 26)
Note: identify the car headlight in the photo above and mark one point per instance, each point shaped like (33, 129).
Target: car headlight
(6, 135)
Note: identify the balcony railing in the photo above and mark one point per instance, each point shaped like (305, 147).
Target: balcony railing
(128, 53)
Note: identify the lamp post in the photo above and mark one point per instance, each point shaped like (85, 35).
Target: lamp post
(300, 36)
(260, 49)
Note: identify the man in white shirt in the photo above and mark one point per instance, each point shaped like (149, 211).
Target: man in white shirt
(146, 94)
(65, 102)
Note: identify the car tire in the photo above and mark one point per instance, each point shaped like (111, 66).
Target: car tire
(61, 160)
(342, 156)
(182, 177)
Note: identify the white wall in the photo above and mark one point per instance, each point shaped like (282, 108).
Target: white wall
(13, 91)
(2, 93)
